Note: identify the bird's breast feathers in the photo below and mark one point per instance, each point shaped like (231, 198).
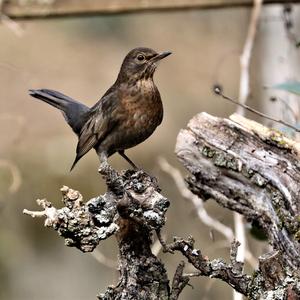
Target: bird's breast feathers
(143, 106)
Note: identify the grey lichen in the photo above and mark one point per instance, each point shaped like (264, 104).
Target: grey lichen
(247, 172)
(222, 159)
(208, 152)
(259, 180)
(153, 219)
(79, 223)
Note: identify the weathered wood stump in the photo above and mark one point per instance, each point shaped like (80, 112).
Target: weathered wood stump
(254, 171)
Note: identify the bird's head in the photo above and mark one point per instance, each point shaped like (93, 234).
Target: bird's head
(140, 63)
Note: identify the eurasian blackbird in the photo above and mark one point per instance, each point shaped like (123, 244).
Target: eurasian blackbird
(125, 116)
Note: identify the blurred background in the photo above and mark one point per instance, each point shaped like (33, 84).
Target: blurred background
(81, 56)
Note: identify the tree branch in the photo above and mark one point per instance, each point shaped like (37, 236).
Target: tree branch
(231, 273)
(63, 8)
(254, 171)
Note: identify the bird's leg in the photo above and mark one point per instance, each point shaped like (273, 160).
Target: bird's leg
(122, 153)
(104, 166)
(113, 178)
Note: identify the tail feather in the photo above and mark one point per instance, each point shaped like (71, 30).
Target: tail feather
(75, 162)
(73, 111)
(51, 97)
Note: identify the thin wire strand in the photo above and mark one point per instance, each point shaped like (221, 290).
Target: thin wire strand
(218, 91)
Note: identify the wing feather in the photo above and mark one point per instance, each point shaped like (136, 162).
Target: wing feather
(99, 124)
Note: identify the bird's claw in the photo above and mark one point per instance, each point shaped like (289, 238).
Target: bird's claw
(105, 168)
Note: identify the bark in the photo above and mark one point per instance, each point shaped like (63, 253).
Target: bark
(131, 209)
(255, 171)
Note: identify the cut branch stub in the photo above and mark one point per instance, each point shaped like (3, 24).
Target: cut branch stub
(250, 169)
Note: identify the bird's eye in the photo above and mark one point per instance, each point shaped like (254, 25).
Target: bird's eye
(141, 57)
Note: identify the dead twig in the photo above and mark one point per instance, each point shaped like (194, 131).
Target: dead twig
(231, 273)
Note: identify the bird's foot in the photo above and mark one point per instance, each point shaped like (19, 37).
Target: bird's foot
(105, 168)
(107, 171)
(139, 172)
(112, 177)
(152, 178)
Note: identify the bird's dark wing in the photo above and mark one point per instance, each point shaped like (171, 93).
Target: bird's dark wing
(100, 123)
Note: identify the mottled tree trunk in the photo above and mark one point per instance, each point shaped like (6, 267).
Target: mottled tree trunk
(142, 274)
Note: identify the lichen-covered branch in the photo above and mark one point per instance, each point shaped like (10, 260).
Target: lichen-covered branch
(255, 171)
(82, 225)
(131, 209)
(231, 273)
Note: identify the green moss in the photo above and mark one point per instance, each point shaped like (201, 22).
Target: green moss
(220, 160)
(291, 224)
(208, 152)
(297, 236)
(227, 161)
(234, 164)
(277, 198)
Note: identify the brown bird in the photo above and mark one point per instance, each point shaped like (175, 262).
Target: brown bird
(124, 117)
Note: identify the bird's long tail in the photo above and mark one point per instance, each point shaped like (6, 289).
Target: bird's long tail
(73, 111)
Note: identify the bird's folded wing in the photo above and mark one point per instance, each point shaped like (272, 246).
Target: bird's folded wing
(98, 126)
